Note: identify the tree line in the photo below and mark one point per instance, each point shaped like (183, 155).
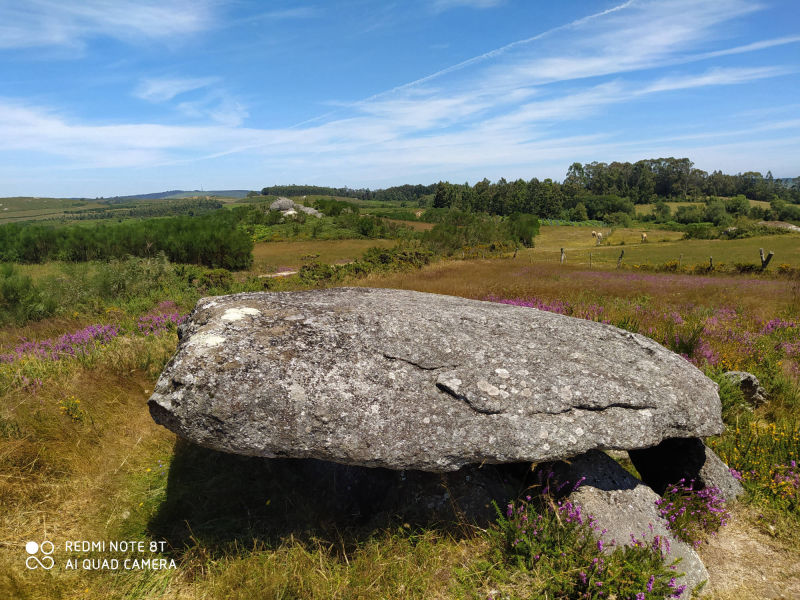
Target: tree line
(167, 208)
(410, 194)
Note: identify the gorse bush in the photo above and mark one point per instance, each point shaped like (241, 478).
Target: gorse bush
(764, 458)
(456, 230)
(20, 299)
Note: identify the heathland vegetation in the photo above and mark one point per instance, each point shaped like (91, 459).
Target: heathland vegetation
(88, 318)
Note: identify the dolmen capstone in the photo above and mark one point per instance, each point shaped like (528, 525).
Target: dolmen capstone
(412, 381)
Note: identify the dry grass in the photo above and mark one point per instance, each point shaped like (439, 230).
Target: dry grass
(415, 225)
(744, 563)
(64, 479)
(521, 278)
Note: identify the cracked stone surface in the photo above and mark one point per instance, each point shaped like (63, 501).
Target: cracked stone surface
(406, 380)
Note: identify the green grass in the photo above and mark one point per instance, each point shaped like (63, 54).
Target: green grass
(269, 257)
(662, 246)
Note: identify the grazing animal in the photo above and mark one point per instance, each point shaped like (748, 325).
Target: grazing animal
(594, 234)
(644, 238)
(599, 238)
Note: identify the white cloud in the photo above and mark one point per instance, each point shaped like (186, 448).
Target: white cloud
(55, 23)
(163, 89)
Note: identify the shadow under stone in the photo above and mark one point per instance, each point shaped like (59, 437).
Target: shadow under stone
(214, 499)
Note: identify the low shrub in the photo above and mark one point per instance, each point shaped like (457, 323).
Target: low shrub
(559, 545)
(692, 514)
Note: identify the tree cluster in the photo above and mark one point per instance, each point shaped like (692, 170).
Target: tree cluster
(213, 240)
(645, 180)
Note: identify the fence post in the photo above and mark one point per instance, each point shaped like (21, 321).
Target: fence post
(710, 263)
(765, 261)
(619, 260)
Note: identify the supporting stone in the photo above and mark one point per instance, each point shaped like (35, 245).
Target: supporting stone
(684, 458)
(624, 507)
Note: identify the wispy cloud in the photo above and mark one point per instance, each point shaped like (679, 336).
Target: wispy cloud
(298, 12)
(53, 23)
(717, 76)
(218, 106)
(442, 5)
(163, 89)
(492, 114)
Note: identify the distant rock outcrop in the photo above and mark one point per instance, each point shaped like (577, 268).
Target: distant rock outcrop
(754, 394)
(405, 380)
(289, 206)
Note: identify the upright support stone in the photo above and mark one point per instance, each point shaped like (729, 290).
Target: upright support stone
(710, 263)
(684, 458)
(619, 260)
(624, 507)
(563, 256)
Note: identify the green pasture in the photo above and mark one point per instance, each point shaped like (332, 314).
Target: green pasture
(269, 257)
(19, 208)
(662, 246)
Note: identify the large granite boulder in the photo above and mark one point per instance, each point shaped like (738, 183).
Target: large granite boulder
(406, 380)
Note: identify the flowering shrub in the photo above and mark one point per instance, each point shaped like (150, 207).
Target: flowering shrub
(163, 318)
(722, 338)
(81, 342)
(692, 514)
(70, 406)
(560, 543)
(764, 457)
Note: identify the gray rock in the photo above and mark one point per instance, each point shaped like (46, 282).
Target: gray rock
(287, 205)
(625, 507)
(687, 459)
(406, 380)
(308, 210)
(282, 204)
(754, 394)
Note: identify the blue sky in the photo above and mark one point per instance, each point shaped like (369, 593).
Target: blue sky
(112, 97)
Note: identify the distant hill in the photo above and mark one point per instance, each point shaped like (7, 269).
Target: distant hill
(175, 194)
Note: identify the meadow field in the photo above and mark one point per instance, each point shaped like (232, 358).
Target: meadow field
(81, 458)
(662, 246)
(18, 209)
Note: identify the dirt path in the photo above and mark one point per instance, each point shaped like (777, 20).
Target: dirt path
(744, 563)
